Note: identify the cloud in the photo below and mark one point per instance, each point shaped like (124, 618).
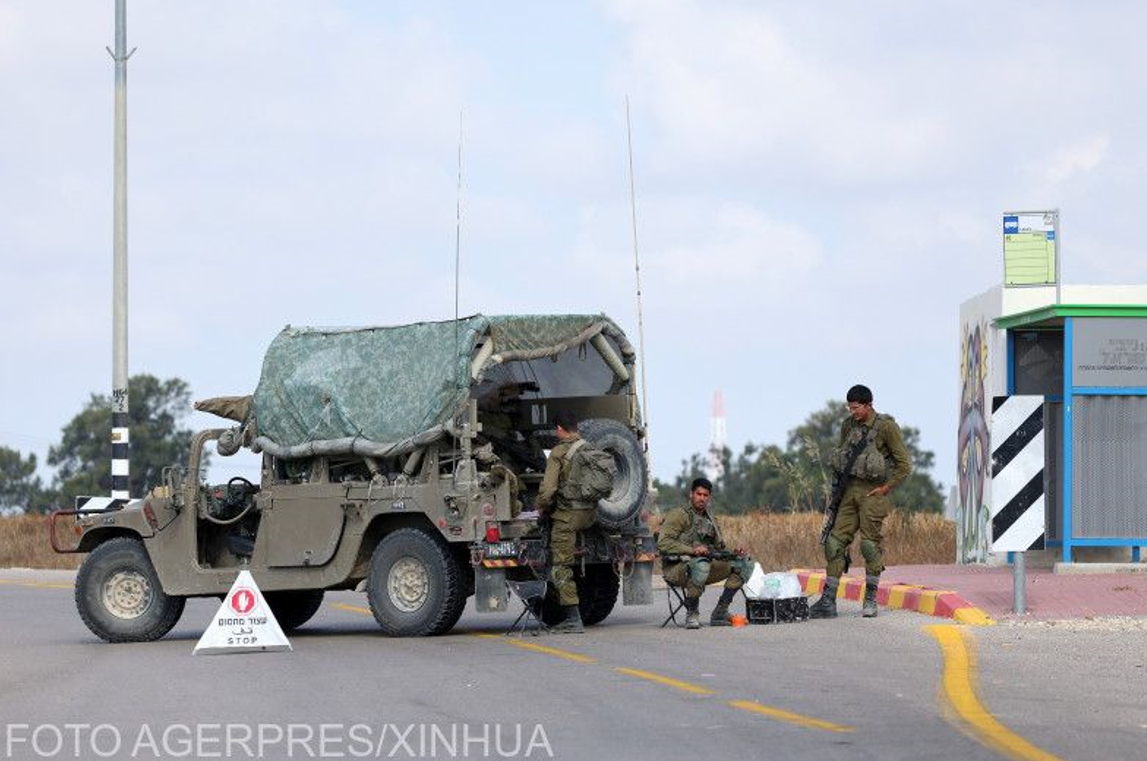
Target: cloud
(693, 244)
(735, 83)
(732, 247)
(1080, 157)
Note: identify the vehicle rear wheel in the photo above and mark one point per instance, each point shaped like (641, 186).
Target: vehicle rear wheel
(293, 608)
(415, 585)
(631, 482)
(596, 595)
(119, 597)
(601, 588)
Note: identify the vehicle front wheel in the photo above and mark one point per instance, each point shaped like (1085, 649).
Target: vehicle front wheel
(119, 596)
(415, 585)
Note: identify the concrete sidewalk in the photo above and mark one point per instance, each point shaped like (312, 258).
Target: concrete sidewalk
(968, 592)
(1048, 595)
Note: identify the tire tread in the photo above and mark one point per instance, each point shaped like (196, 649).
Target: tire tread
(170, 612)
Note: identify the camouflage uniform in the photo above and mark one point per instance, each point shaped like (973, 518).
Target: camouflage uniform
(857, 509)
(567, 518)
(683, 529)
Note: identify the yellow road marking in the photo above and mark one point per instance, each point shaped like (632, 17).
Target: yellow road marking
(695, 689)
(788, 716)
(569, 656)
(958, 678)
(566, 654)
(667, 681)
(36, 584)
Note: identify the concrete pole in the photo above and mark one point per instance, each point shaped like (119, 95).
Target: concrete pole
(120, 437)
(1018, 603)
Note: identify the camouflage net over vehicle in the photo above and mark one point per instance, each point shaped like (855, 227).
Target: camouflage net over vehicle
(384, 391)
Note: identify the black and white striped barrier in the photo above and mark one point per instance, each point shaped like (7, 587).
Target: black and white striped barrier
(1018, 505)
(99, 504)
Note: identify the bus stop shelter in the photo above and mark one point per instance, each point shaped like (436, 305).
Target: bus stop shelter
(1089, 363)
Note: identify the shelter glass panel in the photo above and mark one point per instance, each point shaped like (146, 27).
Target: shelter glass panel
(1038, 356)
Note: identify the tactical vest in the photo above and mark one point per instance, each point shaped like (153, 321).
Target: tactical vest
(870, 465)
(702, 529)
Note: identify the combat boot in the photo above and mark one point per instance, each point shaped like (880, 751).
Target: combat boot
(720, 615)
(571, 624)
(692, 616)
(825, 607)
(871, 584)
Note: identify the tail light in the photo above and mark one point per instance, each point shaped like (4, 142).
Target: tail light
(493, 533)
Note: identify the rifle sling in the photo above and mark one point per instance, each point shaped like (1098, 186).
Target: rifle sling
(573, 448)
(857, 448)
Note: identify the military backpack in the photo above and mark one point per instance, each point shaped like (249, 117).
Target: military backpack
(590, 477)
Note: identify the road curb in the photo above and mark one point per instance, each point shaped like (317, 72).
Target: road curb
(913, 597)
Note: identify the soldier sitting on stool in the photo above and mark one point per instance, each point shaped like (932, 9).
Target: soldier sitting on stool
(693, 555)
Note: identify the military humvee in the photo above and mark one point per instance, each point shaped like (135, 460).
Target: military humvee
(403, 461)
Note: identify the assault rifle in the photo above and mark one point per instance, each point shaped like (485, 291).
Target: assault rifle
(832, 507)
(840, 481)
(712, 555)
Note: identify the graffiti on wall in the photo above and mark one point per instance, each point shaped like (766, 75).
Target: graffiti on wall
(972, 514)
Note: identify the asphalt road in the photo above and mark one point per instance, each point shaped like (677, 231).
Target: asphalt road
(845, 689)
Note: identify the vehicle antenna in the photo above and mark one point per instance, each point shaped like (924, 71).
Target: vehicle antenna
(458, 252)
(637, 273)
(464, 451)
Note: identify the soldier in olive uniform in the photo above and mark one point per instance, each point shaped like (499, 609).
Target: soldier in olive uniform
(567, 517)
(882, 463)
(687, 539)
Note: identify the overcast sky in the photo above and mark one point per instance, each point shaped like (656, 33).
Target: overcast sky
(819, 186)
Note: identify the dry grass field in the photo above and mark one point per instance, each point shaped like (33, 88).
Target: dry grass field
(779, 541)
(24, 544)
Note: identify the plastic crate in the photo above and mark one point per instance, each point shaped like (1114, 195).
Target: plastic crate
(783, 611)
(759, 611)
(791, 610)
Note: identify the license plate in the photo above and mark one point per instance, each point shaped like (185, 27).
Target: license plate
(502, 550)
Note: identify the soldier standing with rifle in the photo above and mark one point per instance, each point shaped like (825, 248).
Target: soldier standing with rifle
(869, 462)
(693, 555)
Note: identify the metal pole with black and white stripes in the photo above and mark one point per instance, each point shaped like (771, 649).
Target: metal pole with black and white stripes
(120, 438)
(1018, 508)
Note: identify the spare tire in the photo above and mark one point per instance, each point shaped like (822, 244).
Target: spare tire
(632, 481)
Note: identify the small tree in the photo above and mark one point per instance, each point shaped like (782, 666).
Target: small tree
(21, 490)
(83, 456)
(798, 477)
